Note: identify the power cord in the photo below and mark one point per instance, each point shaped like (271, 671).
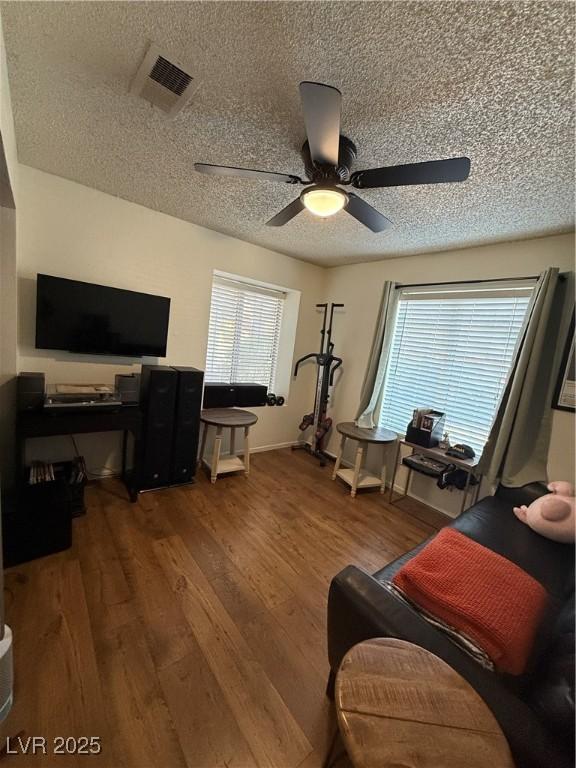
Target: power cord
(98, 472)
(76, 451)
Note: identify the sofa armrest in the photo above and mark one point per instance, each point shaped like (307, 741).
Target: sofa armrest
(360, 608)
(524, 494)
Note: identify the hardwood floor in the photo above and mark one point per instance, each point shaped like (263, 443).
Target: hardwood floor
(189, 629)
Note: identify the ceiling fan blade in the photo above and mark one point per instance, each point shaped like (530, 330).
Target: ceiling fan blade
(284, 216)
(245, 173)
(365, 214)
(431, 172)
(321, 105)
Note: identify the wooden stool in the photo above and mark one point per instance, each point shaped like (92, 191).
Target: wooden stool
(398, 704)
(357, 477)
(230, 418)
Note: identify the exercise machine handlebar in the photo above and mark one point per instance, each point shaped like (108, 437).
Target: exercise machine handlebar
(303, 360)
(330, 346)
(323, 331)
(338, 361)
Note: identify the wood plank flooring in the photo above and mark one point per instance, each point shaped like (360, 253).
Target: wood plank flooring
(189, 630)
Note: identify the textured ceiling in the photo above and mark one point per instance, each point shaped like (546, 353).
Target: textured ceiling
(420, 81)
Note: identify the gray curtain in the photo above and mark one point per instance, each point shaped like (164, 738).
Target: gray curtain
(517, 448)
(378, 360)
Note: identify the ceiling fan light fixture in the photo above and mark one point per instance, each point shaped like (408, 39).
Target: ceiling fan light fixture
(324, 201)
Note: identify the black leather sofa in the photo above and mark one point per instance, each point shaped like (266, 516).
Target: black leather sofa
(535, 710)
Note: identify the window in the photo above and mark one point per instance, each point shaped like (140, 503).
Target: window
(452, 351)
(244, 332)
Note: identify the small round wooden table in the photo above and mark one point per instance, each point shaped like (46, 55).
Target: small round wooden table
(358, 477)
(230, 418)
(399, 705)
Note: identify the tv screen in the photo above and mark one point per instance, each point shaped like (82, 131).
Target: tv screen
(99, 320)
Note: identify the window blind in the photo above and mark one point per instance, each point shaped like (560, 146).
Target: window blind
(452, 351)
(244, 332)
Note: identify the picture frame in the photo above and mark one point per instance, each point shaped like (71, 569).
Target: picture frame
(565, 392)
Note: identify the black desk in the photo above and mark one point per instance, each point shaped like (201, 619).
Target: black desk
(47, 422)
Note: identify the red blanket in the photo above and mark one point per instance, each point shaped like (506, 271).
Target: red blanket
(479, 593)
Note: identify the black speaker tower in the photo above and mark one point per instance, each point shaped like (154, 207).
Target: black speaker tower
(186, 425)
(170, 399)
(158, 387)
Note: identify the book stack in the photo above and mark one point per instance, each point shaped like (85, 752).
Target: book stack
(73, 472)
(40, 472)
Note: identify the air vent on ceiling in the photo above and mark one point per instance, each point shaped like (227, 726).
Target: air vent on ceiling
(163, 81)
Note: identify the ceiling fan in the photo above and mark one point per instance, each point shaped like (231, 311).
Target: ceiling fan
(328, 157)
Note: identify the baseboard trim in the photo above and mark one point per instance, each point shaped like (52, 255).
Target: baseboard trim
(272, 447)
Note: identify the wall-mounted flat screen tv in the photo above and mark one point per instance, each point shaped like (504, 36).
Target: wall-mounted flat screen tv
(99, 320)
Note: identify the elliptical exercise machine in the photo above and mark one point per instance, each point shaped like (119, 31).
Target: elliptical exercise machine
(327, 365)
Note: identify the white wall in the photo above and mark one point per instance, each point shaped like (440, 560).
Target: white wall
(69, 230)
(8, 318)
(359, 287)
(8, 352)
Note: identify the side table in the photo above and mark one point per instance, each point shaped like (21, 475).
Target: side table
(357, 477)
(399, 705)
(230, 418)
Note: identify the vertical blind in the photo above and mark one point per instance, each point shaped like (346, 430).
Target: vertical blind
(452, 351)
(244, 332)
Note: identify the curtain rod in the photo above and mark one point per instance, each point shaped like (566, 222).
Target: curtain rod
(472, 282)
